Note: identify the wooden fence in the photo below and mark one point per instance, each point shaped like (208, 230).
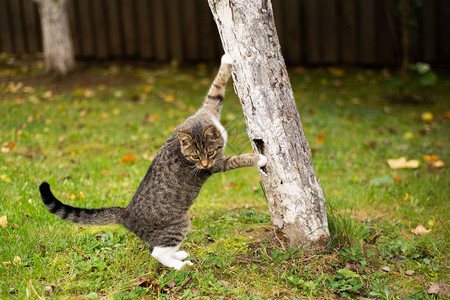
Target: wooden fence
(311, 32)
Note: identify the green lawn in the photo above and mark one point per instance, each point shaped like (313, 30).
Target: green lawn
(76, 132)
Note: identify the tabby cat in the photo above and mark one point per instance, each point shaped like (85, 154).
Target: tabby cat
(157, 214)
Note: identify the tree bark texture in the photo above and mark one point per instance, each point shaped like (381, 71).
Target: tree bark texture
(295, 197)
(57, 41)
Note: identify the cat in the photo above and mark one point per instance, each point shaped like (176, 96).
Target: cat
(157, 213)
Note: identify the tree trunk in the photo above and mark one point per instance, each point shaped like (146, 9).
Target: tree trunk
(57, 41)
(295, 197)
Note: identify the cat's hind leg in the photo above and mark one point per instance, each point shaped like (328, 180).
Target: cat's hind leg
(170, 257)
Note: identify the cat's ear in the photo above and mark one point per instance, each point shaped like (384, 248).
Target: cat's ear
(185, 138)
(211, 133)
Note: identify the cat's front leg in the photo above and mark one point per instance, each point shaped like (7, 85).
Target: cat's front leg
(240, 161)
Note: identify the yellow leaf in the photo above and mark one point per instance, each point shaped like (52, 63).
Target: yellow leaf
(81, 195)
(402, 163)
(3, 221)
(427, 117)
(128, 158)
(431, 223)
(7, 264)
(408, 135)
(152, 118)
(406, 197)
(116, 111)
(169, 98)
(71, 196)
(17, 261)
(421, 230)
(5, 178)
(430, 158)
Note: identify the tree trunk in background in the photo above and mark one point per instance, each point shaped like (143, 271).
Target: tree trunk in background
(57, 41)
(295, 197)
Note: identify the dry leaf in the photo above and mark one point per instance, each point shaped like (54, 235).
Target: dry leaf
(17, 261)
(3, 221)
(81, 195)
(129, 158)
(6, 264)
(440, 289)
(430, 158)
(427, 117)
(143, 282)
(169, 98)
(5, 178)
(402, 163)
(421, 230)
(409, 272)
(71, 196)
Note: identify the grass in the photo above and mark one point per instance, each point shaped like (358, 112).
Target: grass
(74, 131)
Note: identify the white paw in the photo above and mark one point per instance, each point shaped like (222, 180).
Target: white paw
(262, 161)
(180, 255)
(184, 264)
(226, 59)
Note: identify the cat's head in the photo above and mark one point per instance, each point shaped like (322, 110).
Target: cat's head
(201, 146)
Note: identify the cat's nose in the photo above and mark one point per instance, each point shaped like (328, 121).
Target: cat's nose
(204, 164)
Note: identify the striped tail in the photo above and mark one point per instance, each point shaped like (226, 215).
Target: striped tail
(101, 216)
(216, 93)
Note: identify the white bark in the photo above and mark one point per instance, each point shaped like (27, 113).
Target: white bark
(295, 197)
(57, 42)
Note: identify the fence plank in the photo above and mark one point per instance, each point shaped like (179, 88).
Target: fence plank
(86, 28)
(367, 32)
(348, 32)
(174, 30)
(428, 30)
(6, 34)
(144, 29)
(18, 28)
(129, 27)
(312, 41)
(443, 18)
(115, 33)
(191, 34)
(386, 35)
(207, 30)
(72, 11)
(328, 32)
(32, 25)
(293, 31)
(159, 17)
(100, 29)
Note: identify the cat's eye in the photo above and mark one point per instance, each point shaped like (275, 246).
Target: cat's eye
(195, 157)
(211, 153)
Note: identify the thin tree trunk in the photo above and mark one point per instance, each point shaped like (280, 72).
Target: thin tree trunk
(57, 41)
(295, 197)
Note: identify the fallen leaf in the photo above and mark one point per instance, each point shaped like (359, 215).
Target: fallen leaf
(421, 230)
(406, 197)
(152, 118)
(409, 272)
(171, 284)
(71, 196)
(397, 179)
(402, 163)
(408, 135)
(320, 139)
(169, 98)
(5, 178)
(17, 261)
(3, 221)
(116, 111)
(440, 289)
(143, 282)
(6, 264)
(430, 158)
(230, 185)
(436, 164)
(128, 158)
(81, 195)
(427, 117)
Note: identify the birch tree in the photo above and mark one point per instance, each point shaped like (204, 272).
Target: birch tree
(57, 42)
(295, 197)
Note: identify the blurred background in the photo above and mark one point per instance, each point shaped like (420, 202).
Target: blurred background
(312, 32)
